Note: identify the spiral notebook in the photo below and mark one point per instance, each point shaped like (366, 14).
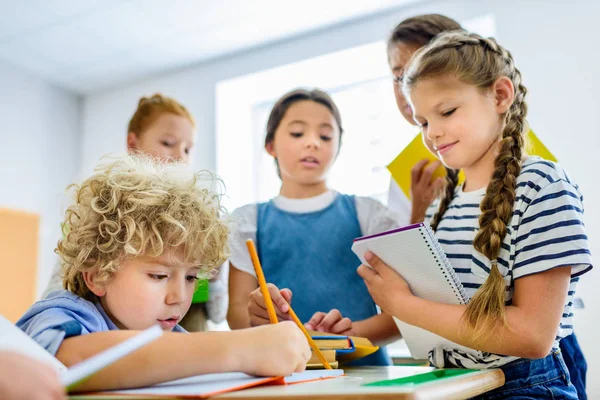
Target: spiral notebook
(414, 252)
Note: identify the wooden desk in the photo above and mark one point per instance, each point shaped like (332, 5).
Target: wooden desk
(349, 387)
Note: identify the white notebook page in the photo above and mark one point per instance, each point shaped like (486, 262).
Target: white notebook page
(415, 254)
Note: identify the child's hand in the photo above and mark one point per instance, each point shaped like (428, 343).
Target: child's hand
(332, 322)
(258, 310)
(273, 350)
(388, 289)
(24, 378)
(422, 189)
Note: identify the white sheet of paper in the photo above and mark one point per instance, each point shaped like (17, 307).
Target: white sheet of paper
(201, 385)
(413, 252)
(210, 384)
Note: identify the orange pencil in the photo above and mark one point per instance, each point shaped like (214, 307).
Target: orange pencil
(262, 283)
(310, 339)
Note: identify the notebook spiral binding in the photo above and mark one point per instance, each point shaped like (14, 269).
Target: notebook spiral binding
(443, 263)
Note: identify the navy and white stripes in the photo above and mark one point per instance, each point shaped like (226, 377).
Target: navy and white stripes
(546, 231)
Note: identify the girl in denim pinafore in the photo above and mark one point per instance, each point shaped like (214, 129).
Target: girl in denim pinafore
(304, 235)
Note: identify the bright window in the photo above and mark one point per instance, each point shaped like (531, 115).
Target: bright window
(359, 81)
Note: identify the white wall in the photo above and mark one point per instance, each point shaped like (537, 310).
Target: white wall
(40, 145)
(554, 50)
(560, 66)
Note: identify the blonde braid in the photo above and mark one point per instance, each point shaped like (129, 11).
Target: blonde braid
(487, 305)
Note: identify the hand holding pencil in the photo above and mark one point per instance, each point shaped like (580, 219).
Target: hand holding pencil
(270, 307)
(257, 310)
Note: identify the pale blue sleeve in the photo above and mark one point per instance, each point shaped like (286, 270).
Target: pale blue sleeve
(50, 328)
(52, 320)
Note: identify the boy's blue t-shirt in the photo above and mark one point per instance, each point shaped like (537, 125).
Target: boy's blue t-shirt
(63, 314)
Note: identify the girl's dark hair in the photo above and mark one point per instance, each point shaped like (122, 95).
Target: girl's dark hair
(296, 95)
(420, 30)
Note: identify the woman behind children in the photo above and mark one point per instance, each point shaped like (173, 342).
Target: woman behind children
(514, 229)
(140, 233)
(406, 38)
(304, 234)
(163, 128)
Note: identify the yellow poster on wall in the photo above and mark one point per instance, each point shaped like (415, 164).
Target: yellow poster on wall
(20, 235)
(416, 151)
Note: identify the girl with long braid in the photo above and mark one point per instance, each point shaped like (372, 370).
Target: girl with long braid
(513, 230)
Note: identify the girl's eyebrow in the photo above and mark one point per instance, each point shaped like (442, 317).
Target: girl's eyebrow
(323, 125)
(169, 135)
(443, 102)
(439, 105)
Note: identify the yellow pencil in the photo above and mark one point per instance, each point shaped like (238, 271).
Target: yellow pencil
(309, 338)
(262, 283)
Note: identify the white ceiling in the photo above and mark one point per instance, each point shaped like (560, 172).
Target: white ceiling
(86, 45)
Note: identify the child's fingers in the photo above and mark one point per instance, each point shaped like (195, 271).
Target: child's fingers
(341, 326)
(428, 172)
(258, 320)
(315, 320)
(367, 273)
(329, 320)
(417, 170)
(301, 366)
(257, 313)
(257, 307)
(370, 289)
(278, 300)
(376, 263)
(287, 295)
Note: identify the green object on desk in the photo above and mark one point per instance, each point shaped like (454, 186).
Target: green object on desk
(423, 378)
(201, 293)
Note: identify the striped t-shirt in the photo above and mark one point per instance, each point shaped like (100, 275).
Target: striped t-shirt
(546, 231)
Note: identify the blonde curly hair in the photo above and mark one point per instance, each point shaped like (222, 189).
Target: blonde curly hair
(138, 205)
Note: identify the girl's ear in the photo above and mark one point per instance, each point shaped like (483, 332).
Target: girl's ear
(504, 94)
(89, 278)
(270, 148)
(131, 141)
